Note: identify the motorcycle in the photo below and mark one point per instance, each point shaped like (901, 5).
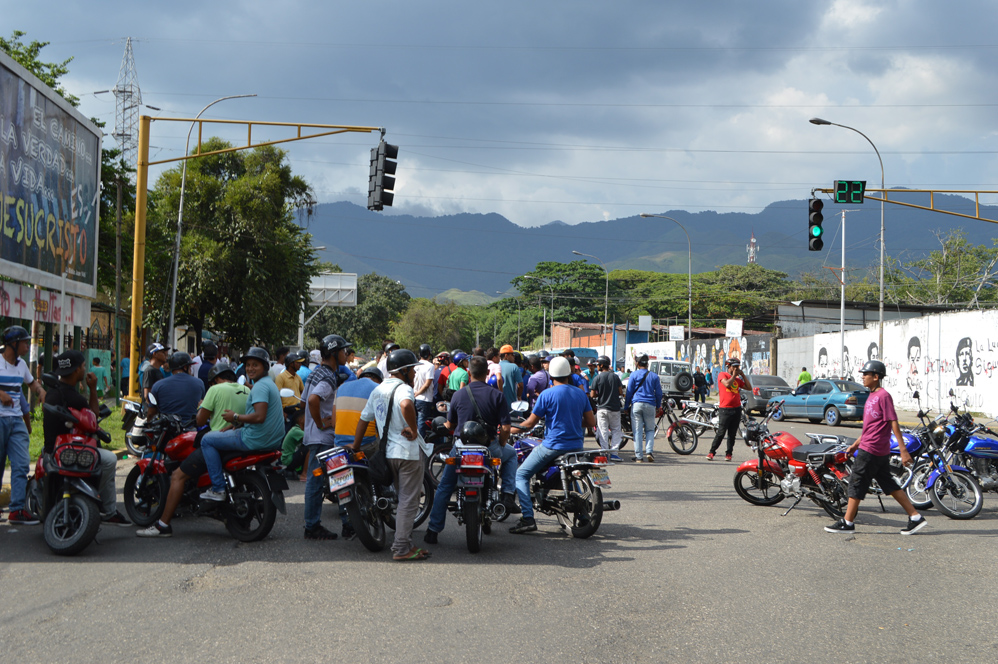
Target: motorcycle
(682, 435)
(254, 481)
(785, 467)
(370, 505)
(64, 489)
(571, 488)
(703, 414)
(950, 487)
(134, 424)
(442, 441)
(477, 501)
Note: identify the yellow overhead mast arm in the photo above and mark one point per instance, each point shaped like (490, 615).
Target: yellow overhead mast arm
(303, 131)
(932, 200)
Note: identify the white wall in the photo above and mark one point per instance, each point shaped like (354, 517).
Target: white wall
(792, 355)
(660, 350)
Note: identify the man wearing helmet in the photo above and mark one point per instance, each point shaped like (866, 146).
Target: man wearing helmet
(565, 409)
(392, 406)
(873, 458)
(425, 388)
(729, 405)
(320, 427)
(14, 436)
(458, 377)
(476, 405)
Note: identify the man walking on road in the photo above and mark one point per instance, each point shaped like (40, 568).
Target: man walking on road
(873, 461)
(644, 398)
(729, 402)
(606, 389)
(699, 386)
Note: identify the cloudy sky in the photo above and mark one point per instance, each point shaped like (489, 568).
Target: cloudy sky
(573, 111)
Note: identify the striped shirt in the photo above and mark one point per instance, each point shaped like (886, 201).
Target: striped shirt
(350, 401)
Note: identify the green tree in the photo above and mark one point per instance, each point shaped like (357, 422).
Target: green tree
(578, 287)
(381, 301)
(443, 325)
(245, 264)
(958, 273)
(26, 55)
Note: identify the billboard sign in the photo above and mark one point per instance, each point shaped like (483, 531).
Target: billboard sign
(50, 161)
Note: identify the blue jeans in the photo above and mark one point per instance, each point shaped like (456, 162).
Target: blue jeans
(212, 446)
(14, 441)
(448, 482)
(425, 410)
(538, 460)
(643, 426)
(315, 488)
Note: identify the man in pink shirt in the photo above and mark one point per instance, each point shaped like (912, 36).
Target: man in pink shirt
(874, 456)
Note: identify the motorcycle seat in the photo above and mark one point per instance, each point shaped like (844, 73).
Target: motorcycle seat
(805, 452)
(236, 454)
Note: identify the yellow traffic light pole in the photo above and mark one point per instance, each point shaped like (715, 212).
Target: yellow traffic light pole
(141, 197)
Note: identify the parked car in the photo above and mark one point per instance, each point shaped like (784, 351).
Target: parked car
(830, 400)
(763, 388)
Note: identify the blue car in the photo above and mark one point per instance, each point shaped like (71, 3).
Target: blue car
(832, 400)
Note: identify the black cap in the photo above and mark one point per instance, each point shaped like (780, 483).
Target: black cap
(68, 362)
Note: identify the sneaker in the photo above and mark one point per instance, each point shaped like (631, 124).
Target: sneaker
(524, 525)
(914, 526)
(430, 537)
(211, 494)
(156, 530)
(650, 458)
(840, 526)
(710, 456)
(319, 533)
(348, 533)
(116, 519)
(22, 518)
(638, 459)
(509, 501)
(727, 457)
(614, 457)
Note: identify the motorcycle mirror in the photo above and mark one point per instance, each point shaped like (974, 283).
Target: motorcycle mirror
(152, 399)
(242, 380)
(287, 392)
(50, 381)
(953, 407)
(520, 407)
(951, 392)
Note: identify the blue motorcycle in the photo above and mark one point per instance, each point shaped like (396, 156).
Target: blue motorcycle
(979, 453)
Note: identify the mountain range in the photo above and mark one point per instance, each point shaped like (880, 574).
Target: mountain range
(482, 252)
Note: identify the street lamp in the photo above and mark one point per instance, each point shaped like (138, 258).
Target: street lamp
(527, 276)
(689, 278)
(180, 214)
(606, 297)
(819, 121)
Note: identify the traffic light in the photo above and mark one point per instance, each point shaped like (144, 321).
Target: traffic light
(814, 229)
(380, 184)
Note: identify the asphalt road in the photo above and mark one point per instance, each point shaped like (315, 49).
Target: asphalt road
(685, 571)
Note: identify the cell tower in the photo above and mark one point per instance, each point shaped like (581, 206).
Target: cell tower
(128, 102)
(752, 248)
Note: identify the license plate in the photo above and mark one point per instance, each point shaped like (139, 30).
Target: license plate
(599, 477)
(471, 480)
(340, 480)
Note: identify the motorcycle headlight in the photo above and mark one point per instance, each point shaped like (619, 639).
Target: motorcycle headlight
(85, 458)
(68, 457)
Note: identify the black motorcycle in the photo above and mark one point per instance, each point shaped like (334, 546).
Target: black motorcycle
(476, 502)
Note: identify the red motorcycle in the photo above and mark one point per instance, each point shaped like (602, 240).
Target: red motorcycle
(255, 483)
(785, 467)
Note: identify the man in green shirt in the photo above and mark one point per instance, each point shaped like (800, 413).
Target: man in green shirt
(103, 381)
(458, 377)
(224, 394)
(804, 376)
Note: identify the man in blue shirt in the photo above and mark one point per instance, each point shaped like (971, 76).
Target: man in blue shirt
(179, 394)
(565, 409)
(261, 427)
(644, 398)
(512, 377)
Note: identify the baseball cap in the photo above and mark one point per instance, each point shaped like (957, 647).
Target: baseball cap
(155, 347)
(506, 349)
(68, 362)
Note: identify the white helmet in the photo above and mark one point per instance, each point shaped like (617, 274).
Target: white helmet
(560, 368)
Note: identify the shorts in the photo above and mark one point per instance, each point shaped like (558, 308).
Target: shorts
(194, 465)
(867, 468)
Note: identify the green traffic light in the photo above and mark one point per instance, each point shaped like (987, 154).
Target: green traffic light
(816, 231)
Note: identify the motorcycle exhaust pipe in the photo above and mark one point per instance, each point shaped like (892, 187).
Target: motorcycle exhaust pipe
(611, 505)
(498, 511)
(383, 504)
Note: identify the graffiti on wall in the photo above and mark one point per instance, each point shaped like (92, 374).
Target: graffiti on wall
(710, 354)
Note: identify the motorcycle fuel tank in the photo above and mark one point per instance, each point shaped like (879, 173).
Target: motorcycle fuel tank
(785, 444)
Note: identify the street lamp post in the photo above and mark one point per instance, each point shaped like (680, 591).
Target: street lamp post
(527, 276)
(606, 297)
(180, 214)
(689, 277)
(819, 121)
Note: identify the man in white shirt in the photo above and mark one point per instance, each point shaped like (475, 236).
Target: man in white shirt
(14, 436)
(406, 451)
(425, 389)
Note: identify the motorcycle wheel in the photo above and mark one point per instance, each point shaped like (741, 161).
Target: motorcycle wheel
(365, 519)
(587, 518)
(836, 507)
(917, 492)
(758, 490)
(252, 513)
(435, 468)
(473, 526)
(425, 505)
(957, 495)
(699, 416)
(683, 439)
(144, 504)
(134, 450)
(71, 525)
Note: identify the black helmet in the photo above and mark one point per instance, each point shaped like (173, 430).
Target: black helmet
(220, 369)
(15, 333)
(603, 361)
(333, 343)
(180, 360)
(473, 433)
(374, 373)
(425, 352)
(389, 347)
(732, 362)
(256, 353)
(874, 367)
(401, 359)
(642, 361)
